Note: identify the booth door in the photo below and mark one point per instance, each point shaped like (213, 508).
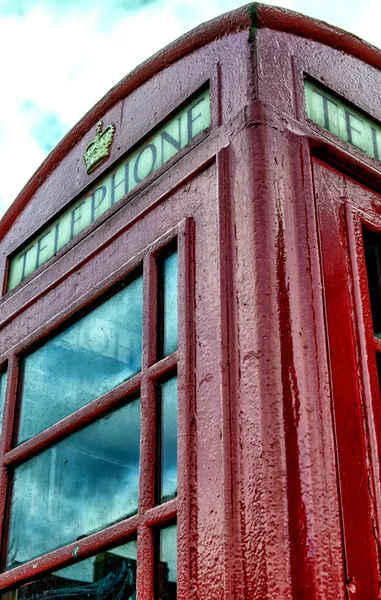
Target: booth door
(350, 239)
(101, 413)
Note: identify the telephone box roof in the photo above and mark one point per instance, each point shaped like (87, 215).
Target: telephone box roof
(250, 16)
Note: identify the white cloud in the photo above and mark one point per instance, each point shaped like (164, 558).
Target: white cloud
(368, 22)
(65, 66)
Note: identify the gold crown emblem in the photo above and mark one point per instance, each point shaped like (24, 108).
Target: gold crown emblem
(98, 149)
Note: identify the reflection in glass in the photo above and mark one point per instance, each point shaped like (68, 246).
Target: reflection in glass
(109, 575)
(90, 358)
(77, 487)
(168, 312)
(3, 385)
(168, 440)
(166, 567)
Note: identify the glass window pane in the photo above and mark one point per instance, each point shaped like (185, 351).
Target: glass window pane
(3, 386)
(89, 358)
(372, 250)
(77, 487)
(168, 440)
(166, 567)
(168, 312)
(108, 575)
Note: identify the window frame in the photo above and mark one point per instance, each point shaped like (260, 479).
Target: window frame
(151, 515)
(344, 207)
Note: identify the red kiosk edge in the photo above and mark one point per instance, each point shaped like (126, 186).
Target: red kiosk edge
(190, 346)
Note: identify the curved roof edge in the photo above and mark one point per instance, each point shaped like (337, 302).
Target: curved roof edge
(250, 15)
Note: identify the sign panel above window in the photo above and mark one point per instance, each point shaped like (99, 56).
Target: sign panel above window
(154, 152)
(341, 119)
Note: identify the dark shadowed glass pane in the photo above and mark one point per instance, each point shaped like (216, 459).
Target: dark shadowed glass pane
(166, 567)
(372, 250)
(168, 309)
(89, 358)
(168, 440)
(107, 576)
(3, 385)
(77, 487)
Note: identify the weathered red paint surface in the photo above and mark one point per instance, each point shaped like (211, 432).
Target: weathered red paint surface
(279, 405)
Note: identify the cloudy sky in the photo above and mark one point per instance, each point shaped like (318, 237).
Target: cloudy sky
(59, 57)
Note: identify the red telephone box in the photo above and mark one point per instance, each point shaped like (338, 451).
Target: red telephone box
(190, 354)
